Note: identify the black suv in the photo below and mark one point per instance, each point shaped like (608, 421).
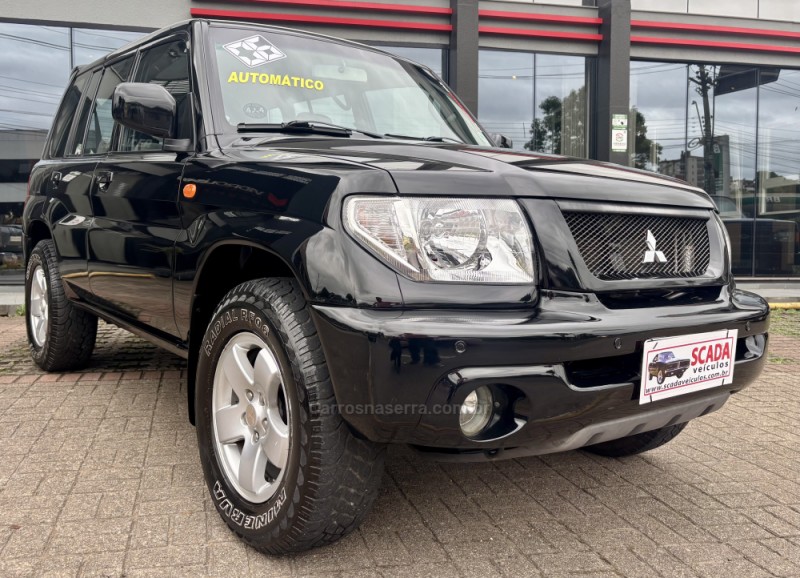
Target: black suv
(331, 241)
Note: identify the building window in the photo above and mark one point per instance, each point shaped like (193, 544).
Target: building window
(777, 206)
(731, 131)
(433, 58)
(540, 101)
(35, 64)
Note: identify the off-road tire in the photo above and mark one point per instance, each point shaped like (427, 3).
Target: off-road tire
(332, 476)
(636, 444)
(71, 332)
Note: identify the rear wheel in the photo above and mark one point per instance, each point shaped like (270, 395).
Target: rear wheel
(636, 444)
(60, 336)
(284, 470)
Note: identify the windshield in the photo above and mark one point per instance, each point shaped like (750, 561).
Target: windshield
(267, 76)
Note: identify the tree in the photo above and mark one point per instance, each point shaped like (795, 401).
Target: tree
(546, 131)
(646, 151)
(562, 130)
(562, 126)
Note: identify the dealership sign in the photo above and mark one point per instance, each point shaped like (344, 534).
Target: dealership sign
(678, 365)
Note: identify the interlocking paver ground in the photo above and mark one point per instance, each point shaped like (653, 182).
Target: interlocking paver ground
(99, 476)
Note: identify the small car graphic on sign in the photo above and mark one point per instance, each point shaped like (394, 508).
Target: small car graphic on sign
(665, 364)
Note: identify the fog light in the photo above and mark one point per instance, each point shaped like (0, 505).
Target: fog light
(476, 411)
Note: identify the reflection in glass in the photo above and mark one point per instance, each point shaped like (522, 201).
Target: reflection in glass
(35, 63)
(88, 45)
(658, 117)
(506, 94)
(537, 100)
(560, 123)
(778, 200)
(34, 69)
(430, 57)
(729, 117)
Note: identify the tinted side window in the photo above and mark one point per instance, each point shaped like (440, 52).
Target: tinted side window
(76, 146)
(63, 122)
(168, 65)
(101, 123)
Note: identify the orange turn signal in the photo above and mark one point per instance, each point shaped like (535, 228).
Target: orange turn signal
(189, 191)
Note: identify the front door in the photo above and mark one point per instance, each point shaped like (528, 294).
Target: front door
(135, 202)
(131, 244)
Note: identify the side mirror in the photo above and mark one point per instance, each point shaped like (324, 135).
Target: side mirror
(502, 141)
(146, 108)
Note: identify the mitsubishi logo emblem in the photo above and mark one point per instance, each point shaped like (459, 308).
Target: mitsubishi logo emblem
(651, 255)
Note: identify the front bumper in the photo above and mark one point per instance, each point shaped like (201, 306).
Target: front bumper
(571, 369)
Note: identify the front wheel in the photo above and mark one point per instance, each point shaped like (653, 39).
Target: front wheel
(636, 444)
(660, 377)
(284, 470)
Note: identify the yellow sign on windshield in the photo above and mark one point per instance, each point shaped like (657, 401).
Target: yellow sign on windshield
(275, 79)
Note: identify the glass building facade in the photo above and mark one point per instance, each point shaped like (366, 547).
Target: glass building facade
(728, 129)
(539, 101)
(733, 131)
(35, 63)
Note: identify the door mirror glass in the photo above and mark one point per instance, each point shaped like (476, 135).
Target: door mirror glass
(146, 108)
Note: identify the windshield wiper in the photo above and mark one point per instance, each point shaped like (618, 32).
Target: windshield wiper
(426, 138)
(293, 127)
(303, 127)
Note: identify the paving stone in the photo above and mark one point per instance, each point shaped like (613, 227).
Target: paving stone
(100, 476)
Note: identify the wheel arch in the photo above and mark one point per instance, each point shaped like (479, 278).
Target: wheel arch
(36, 231)
(221, 268)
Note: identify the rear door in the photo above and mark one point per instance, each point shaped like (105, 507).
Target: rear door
(135, 200)
(66, 180)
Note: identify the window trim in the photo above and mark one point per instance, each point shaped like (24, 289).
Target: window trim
(49, 142)
(90, 94)
(102, 70)
(117, 134)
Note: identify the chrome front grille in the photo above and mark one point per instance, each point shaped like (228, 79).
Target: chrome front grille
(616, 247)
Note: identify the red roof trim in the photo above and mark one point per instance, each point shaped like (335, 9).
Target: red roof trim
(552, 34)
(345, 5)
(526, 16)
(715, 44)
(714, 29)
(312, 19)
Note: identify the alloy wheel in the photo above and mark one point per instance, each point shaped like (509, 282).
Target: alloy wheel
(39, 312)
(251, 417)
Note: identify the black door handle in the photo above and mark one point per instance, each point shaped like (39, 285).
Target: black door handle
(104, 179)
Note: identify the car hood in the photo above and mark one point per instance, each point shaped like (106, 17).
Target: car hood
(452, 169)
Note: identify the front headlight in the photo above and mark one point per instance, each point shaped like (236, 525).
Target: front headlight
(458, 240)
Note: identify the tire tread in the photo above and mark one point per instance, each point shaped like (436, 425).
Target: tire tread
(340, 488)
(72, 332)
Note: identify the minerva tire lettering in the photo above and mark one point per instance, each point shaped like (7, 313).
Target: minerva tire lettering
(331, 477)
